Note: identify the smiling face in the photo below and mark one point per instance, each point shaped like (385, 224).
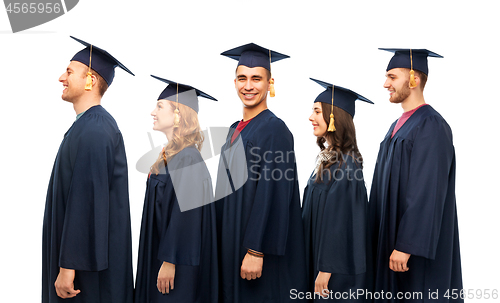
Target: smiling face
(397, 82)
(252, 85)
(318, 121)
(163, 117)
(73, 81)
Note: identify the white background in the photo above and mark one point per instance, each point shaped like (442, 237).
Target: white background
(181, 40)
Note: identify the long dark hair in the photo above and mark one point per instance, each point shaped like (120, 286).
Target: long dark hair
(341, 142)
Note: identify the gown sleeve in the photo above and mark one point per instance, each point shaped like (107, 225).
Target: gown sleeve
(342, 231)
(181, 240)
(273, 167)
(84, 240)
(430, 163)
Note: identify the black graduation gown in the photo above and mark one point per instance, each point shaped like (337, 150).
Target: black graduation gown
(86, 225)
(412, 208)
(335, 216)
(184, 238)
(259, 209)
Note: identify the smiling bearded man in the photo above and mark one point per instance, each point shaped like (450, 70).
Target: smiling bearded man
(412, 205)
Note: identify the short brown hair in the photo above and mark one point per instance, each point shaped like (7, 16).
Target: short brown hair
(423, 78)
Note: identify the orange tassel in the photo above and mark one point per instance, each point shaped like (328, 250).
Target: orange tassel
(413, 83)
(88, 84)
(272, 92)
(331, 127)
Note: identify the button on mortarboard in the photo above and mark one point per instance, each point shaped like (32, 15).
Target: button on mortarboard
(182, 93)
(342, 97)
(99, 60)
(401, 58)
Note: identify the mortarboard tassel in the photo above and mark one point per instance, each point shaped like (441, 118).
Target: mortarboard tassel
(331, 126)
(177, 119)
(412, 73)
(272, 92)
(88, 84)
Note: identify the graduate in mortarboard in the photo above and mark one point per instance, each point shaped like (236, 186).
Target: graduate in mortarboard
(261, 243)
(87, 245)
(412, 201)
(178, 247)
(335, 204)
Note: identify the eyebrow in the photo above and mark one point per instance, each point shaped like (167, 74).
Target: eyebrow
(252, 76)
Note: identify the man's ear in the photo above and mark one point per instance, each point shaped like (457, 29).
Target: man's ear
(94, 80)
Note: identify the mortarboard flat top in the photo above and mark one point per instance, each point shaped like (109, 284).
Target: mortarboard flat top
(342, 97)
(187, 95)
(401, 58)
(102, 62)
(253, 55)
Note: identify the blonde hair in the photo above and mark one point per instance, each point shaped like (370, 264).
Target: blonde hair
(187, 134)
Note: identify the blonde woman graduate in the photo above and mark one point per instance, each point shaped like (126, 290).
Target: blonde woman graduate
(178, 247)
(335, 204)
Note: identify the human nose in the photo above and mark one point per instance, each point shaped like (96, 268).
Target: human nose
(387, 83)
(311, 117)
(248, 85)
(62, 78)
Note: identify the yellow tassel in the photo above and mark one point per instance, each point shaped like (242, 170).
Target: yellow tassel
(176, 118)
(412, 79)
(272, 92)
(331, 127)
(88, 84)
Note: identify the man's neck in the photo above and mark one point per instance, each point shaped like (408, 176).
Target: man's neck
(84, 104)
(251, 112)
(412, 102)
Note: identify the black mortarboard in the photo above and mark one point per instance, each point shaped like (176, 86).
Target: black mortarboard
(252, 55)
(186, 94)
(416, 60)
(99, 60)
(342, 97)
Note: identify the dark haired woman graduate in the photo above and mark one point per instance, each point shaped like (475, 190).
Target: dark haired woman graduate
(335, 205)
(178, 246)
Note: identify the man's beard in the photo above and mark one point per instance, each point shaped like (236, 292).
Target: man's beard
(401, 94)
